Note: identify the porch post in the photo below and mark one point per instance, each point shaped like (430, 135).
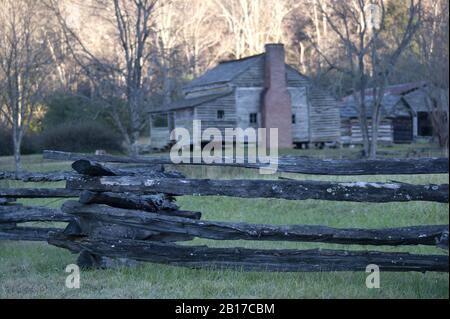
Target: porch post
(415, 126)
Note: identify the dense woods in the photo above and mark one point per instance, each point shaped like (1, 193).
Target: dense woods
(111, 61)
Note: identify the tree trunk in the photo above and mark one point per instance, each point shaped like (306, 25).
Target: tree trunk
(361, 94)
(374, 138)
(302, 57)
(135, 129)
(17, 141)
(364, 125)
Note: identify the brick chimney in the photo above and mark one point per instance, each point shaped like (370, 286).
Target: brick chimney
(276, 110)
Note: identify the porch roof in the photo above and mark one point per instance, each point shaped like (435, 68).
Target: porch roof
(188, 103)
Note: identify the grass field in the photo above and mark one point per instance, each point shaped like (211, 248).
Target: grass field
(36, 270)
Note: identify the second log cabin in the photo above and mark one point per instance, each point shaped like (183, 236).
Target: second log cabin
(406, 115)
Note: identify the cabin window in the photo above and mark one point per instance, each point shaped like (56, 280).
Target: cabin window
(253, 118)
(160, 120)
(293, 118)
(220, 114)
(424, 126)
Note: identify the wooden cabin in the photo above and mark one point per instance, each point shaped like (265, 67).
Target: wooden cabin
(405, 116)
(257, 91)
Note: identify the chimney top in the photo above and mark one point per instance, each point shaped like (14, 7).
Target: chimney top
(275, 66)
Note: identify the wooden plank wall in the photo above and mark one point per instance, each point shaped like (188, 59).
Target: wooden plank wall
(351, 131)
(207, 113)
(324, 117)
(323, 112)
(248, 100)
(301, 129)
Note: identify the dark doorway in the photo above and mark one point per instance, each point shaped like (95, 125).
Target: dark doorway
(424, 126)
(403, 131)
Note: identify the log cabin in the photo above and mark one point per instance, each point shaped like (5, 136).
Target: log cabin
(405, 111)
(256, 91)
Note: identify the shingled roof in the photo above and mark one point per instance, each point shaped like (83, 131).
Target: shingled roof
(393, 95)
(225, 71)
(417, 100)
(349, 109)
(185, 103)
(221, 74)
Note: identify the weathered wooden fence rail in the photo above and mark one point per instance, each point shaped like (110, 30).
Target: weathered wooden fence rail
(290, 164)
(129, 213)
(38, 193)
(38, 177)
(22, 214)
(13, 214)
(414, 235)
(284, 189)
(251, 259)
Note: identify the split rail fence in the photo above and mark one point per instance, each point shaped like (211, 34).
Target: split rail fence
(126, 212)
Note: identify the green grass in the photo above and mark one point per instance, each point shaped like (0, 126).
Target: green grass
(36, 270)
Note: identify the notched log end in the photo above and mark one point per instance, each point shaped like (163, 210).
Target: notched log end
(442, 242)
(73, 229)
(61, 240)
(86, 167)
(68, 206)
(86, 197)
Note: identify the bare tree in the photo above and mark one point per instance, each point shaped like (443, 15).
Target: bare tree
(383, 61)
(133, 23)
(198, 31)
(166, 43)
(434, 46)
(252, 24)
(360, 29)
(24, 61)
(120, 76)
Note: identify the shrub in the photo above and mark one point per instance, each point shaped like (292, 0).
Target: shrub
(64, 107)
(5, 142)
(81, 137)
(30, 143)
